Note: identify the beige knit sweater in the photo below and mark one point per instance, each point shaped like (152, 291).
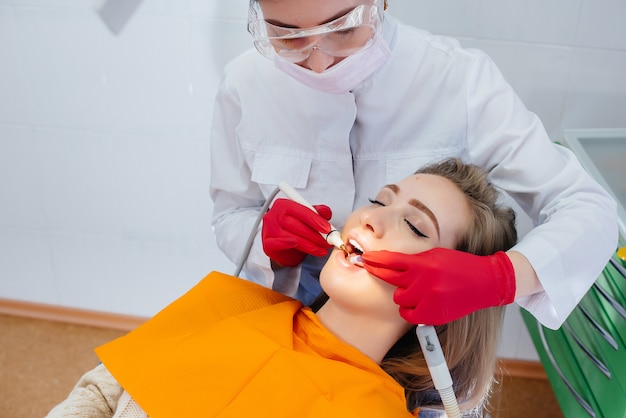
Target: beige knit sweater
(97, 395)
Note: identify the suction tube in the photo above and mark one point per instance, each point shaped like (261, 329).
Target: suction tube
(253, 231)
(427, 337)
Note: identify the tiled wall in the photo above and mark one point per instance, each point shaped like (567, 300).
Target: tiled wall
(104, 139)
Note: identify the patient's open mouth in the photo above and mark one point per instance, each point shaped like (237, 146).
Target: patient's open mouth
(355, 250)
(354, 247)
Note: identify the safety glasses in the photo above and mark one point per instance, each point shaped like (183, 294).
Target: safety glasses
(341, 37)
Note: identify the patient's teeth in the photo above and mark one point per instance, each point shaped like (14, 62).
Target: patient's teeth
(356, 245)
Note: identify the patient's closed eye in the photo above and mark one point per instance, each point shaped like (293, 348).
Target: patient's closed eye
(415, 229)
(412, 227)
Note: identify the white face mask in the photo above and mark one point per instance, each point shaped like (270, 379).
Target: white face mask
(344, 76)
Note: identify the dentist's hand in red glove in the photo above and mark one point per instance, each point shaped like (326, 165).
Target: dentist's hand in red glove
(441, 285)
(291, 231)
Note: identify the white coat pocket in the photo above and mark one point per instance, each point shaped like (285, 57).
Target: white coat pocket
(269, 169)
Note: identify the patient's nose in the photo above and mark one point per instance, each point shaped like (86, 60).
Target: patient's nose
(373, 220)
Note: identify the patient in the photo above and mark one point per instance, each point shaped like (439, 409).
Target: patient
(232, 348)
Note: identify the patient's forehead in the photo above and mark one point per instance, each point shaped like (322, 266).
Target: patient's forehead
(425, 181)
(433, 187)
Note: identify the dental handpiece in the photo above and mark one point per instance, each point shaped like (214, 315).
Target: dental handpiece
(334, 236)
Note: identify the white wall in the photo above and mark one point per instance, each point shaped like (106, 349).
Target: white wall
(565, 58)
(104, 139)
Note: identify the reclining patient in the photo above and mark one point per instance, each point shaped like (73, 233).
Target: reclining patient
(231, 348)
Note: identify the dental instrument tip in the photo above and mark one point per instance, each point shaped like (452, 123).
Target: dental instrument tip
(356, 259)
(344, 249)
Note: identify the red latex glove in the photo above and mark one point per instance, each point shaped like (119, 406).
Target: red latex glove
(441, 285)
(291, 231)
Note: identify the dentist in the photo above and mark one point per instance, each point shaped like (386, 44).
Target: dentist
(338, 97)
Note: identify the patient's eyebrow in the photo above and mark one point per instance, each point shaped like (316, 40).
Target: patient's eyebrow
(416, 203)
(419, 205)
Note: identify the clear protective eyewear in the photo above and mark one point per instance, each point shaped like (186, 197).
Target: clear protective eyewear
(341, 37)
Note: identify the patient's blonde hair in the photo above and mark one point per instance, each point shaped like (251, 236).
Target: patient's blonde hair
(469, 343)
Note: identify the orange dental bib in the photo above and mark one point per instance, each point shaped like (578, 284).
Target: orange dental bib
(231, 348)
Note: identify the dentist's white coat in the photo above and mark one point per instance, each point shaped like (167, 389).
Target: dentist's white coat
(431, 100)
